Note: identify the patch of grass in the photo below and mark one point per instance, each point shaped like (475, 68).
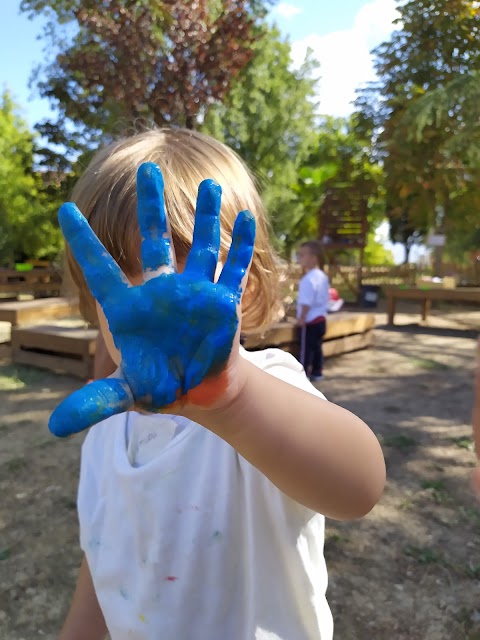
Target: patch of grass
(463, 443)
(429, 365)
(436, 485)
(3, 428)
(400, 441)
(14, 377)
(471, 514)
(5, 554)
(473, 571)
(15, 464)
(424, 555)
(10, 383)
(438, 489)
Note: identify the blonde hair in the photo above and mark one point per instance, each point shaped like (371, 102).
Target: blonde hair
(106, 195)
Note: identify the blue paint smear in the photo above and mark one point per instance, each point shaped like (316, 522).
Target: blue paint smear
(173, 330)
(91, 404)
(156, 247)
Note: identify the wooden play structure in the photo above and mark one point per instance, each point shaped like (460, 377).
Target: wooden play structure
(61, 349)
(426, 296)
(72, 349)
(343, 226)
(37, 282)
(35, 311)
(345, 332)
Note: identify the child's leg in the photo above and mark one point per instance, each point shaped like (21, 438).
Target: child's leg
(304, 353)
(317, 331)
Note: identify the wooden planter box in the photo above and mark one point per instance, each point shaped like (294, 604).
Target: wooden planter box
(345, 332)
(61, 349)
(33, 311)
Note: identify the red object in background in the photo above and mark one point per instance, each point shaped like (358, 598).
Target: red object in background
(333, 294)
(335, 303)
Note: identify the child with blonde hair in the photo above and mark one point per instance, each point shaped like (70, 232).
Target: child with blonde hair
(208, 471)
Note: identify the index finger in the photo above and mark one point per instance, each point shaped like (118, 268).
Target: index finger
(102, 273)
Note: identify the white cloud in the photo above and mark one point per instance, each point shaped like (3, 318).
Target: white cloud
(345, 57)
(287, 10)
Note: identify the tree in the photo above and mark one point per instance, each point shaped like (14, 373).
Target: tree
(161, 61)
(268, 117)
(28, 226)
(438, 40)
(341, 158)
(375, 252)
(460, 97)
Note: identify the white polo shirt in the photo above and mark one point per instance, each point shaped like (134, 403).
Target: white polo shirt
(313, 291)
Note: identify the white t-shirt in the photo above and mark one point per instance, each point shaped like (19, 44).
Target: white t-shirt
(313, 290)
(186, 540)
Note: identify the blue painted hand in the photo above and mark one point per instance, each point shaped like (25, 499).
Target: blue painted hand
(175, 331)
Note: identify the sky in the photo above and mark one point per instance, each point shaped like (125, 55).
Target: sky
(340, 34)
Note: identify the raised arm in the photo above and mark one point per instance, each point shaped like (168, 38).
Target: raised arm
(177, 336)
(317, 453)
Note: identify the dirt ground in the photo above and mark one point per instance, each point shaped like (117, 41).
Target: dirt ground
(408, 571)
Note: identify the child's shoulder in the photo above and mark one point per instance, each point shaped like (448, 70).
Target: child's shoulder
(282, 365)
(272, 357)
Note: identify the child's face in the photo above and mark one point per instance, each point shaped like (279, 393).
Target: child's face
(306, 259)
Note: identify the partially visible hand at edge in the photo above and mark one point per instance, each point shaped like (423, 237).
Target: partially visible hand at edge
(476, 424)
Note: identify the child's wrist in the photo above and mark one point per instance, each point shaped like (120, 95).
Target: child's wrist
(218, 417)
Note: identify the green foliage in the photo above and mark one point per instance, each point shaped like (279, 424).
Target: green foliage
(113, 67)
(340, 158)
(429, 180)
(375, 253)
(268, 118)
(112, 63)
(28, 226)
(455, 108)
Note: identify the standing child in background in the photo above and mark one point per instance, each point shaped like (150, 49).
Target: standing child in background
(312, 309)
(207, 474)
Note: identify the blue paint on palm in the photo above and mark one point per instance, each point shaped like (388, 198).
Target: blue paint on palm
(173, 330)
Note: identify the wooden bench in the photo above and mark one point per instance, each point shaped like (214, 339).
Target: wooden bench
(345, 332)
(61, 349)
(72, 349)
(426, 296)
(36, 282)
(34, 311)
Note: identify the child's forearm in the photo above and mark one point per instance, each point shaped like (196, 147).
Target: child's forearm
(85, 619)
(304, 309)
(314, 451)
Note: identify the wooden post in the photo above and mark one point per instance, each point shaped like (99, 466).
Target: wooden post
(426, 308)
(391, 303)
